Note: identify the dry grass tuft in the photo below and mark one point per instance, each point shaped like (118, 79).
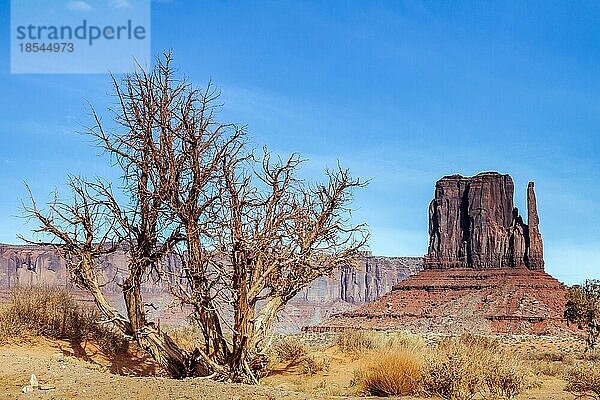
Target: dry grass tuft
(583, 379)
(355, 342)
(290, 350)
(312, 366)
(455, 368)
(52, 312)
(396, 372)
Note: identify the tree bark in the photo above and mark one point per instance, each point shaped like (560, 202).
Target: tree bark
(263, 322)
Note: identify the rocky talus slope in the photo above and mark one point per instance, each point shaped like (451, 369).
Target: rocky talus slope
(484, 270)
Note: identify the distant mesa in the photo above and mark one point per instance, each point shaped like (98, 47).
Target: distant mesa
(344, 289)
(483, 271)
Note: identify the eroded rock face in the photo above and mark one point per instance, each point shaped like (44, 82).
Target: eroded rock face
(483, 271)
(473, 223)
(38, 265)
(373, 277)
(343, 290)
(536, 248)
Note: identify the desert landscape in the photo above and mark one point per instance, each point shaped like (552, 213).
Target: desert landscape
(473, 318)
(66, 373)
(299, 200)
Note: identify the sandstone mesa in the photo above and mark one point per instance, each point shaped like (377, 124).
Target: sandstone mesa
(483, 271)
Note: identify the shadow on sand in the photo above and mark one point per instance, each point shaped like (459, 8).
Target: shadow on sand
(132, 362)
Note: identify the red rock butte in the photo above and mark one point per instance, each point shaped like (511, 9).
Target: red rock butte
(483, 271)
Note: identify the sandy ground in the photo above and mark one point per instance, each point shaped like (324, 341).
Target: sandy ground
(72, 377)
(337, 380)
(69, 371)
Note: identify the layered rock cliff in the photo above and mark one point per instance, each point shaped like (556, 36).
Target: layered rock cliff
(38, 265)
(343, 290)
(372, 278)
(457, 300)
(473, 223)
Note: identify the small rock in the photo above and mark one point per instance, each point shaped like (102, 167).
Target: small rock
(27, 389)
(58, 357)
(33, 381)
(47, 386)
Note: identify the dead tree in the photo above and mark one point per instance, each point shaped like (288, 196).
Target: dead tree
(161, 123)
(250, 234)
(266, 237)
(84, 230)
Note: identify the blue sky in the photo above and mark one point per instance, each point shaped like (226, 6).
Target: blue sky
(402, 93)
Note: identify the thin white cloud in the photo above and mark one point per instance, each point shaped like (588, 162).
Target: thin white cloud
(78, 5)
(117, 4)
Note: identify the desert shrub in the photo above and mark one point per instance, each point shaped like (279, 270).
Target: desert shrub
(451, 376)
(459, 368)
(550, 363)
(358, 377)
(109, 340)
(583, 379)
(592, 355)
(9, 327)
(312, 365)
(583, 309)
(188, 335)
(504, 378)
(550, 368)
(53, 312)
(455, 368)
(44, 311)
(478, 343)
(290, 350)
(355, 342)
(393, 372)
(548, 356)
